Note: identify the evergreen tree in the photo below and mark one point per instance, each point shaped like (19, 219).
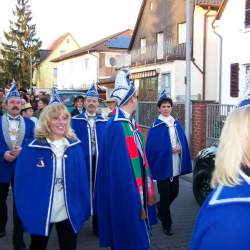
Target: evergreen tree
(21, 44)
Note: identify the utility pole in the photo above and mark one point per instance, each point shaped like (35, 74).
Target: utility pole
(188, 71)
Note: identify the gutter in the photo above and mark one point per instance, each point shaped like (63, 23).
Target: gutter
(204, 53)
(220, 60)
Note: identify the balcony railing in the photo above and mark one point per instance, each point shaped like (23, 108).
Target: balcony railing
(153, 53)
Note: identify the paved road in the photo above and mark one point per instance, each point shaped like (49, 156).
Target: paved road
(184, 210)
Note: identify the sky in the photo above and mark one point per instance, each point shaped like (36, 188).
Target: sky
(86, 20)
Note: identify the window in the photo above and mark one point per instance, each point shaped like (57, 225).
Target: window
(55, 72)
(234, 80)
(166, 83)
(151, 6)
(62, 52)
(160, 53)
(181, 33)
(85, 64)
(247, 76)
(143, 45)
(247, 14)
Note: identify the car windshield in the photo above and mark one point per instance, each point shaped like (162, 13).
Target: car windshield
(68, 98)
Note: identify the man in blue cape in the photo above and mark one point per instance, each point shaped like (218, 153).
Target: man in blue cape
(89, 127)
(15, 132)
(124, 185)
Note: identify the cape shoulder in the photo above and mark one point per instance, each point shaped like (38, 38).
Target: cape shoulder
(229, 195)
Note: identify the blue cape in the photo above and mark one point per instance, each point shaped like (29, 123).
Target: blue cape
(34, 186)
(159, 151)
(82, 129)
(7, 168)
(223, 220)
(118, 200)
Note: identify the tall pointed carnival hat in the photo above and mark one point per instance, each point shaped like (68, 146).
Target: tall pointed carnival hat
(163, 95)
(124, 88)
(55, 98)
(13, 92)
(92, 91)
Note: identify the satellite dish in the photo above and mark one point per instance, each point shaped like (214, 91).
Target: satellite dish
(112, 61)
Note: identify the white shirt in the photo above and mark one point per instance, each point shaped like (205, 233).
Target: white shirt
(13, 128)
(91, 121)
(169, 120)
(58, 212)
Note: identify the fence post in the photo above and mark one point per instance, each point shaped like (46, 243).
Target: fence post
(198, 134)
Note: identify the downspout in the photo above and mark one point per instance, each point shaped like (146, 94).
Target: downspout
(204, 53)
(220, 59)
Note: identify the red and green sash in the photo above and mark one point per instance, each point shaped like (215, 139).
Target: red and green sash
(135, 160)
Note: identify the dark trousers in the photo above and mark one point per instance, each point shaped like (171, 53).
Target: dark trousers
(66, 236)
(94, 217)
(168, 190)
(17, 238)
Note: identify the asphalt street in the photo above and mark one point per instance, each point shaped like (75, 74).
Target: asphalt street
(184, 210)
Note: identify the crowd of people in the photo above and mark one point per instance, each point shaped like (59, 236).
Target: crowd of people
(67, 168)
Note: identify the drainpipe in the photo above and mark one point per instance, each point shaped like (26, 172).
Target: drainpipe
(204, 53)
(220, 59)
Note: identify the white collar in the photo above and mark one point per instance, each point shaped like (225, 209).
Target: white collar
(126, 114)
(90, 115)
(169, 120)
(58, 141)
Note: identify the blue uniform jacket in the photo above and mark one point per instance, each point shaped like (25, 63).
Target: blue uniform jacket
(118, 200)
(82, 129)
(223, 219)
(7, 168)
(34, 186)
(159, 151)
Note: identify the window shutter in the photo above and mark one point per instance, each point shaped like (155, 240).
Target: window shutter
(234, 80)
(247, 13)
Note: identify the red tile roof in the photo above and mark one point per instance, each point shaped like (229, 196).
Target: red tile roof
(99, 45)
(58, 41)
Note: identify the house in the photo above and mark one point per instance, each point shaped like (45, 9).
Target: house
(92, 63)
(158, 48)
(45, 73)
(233, 27)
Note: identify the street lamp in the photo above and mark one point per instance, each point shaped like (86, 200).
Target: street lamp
(30, 62)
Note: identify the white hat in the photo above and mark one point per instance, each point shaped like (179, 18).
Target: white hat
(124, 88)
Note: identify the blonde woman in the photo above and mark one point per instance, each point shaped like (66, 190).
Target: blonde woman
(223, 220)
(51, 185)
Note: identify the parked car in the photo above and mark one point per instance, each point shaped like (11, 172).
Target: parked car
(202, 174)
(103, 109)
(68, 97)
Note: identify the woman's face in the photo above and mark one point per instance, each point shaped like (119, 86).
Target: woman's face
(41, 105)
(165, 109)
(58, 126)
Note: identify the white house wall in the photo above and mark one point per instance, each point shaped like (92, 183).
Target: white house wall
(72, 73)
(212, 43)
(178, 72)
(236, 41)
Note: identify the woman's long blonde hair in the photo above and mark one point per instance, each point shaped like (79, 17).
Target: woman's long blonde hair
(50, 112)
(234, 148)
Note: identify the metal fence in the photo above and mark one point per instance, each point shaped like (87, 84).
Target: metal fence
(215, 119)
(147, 112)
